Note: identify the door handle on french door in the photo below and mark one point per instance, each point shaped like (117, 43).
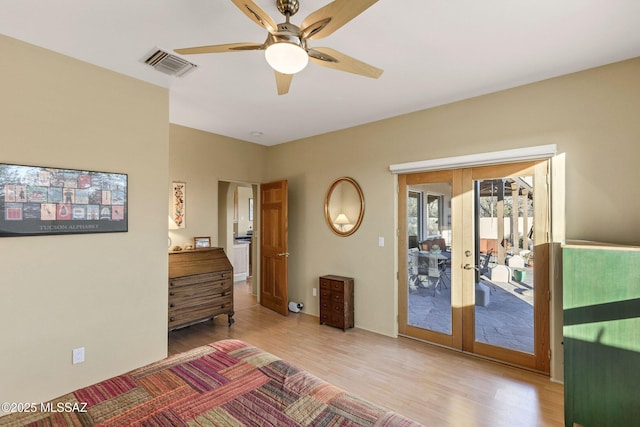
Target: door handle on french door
(284, 254)
(471, 267)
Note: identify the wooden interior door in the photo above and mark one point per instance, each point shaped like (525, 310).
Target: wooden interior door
(274, 247)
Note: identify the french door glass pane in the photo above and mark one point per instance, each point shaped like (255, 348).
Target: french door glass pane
(504, 303)
(429, 260)
(414, 217)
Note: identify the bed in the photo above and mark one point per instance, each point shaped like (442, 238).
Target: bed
(226, 383)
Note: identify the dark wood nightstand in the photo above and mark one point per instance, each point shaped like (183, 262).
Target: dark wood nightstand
(336, 301)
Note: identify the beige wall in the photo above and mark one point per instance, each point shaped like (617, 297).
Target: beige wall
(104, 292)
(202, 159)
(592, 116)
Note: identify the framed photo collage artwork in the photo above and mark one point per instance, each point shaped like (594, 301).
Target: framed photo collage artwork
(42, 200)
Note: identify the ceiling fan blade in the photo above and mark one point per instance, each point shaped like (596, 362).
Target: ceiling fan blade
(256, 14)
(219, 48)
(283, 81)
(331, 58)
(331, 17)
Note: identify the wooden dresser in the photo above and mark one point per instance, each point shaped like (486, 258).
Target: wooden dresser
(336, 301)
(200, 286)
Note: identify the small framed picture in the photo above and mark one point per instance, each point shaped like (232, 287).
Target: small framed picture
(201, 242)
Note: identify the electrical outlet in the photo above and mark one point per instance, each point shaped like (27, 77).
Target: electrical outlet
(315, 292)
(78, 355)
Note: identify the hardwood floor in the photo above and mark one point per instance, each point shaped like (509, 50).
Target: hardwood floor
(432, 385)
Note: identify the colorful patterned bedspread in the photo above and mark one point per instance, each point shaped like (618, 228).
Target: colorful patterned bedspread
(227, 383)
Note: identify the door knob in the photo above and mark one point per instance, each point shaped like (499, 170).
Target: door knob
(284, 254)
(471, 267)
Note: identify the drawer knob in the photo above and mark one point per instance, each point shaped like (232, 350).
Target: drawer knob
(171, 294)
(172, 319)
(222, 306)
(171, 305)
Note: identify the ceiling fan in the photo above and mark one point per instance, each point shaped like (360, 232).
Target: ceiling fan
(286, 48)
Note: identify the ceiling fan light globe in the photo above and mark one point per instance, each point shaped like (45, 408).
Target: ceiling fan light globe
(286, 58)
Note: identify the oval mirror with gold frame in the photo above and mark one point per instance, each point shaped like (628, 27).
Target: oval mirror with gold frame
(344, 206)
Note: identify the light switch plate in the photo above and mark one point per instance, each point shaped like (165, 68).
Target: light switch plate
(381, 241)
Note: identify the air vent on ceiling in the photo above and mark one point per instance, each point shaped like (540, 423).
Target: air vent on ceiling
(168, 63)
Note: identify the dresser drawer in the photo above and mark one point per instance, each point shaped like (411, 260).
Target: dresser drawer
(188, 299)
(211, 287)
(214, 302)
(198, 291)
(193, 313)
(218, 277)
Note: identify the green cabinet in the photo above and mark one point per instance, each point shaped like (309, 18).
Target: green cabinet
(601, 311)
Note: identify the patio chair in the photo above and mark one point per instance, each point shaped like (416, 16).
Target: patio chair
(445, 266)
(412, 269)
(484, 268)
(429, 266)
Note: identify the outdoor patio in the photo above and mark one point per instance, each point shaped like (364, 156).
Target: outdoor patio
(507, 321)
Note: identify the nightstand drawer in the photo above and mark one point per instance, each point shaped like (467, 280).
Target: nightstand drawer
(337, 298)
(338, 321)
(337, 286)
(325, 317)
(337, 308)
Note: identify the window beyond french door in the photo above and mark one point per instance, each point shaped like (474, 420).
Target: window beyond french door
(476, 278)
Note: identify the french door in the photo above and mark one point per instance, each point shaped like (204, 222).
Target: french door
(474, 261)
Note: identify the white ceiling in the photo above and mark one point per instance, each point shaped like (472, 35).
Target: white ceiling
(432, 51)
